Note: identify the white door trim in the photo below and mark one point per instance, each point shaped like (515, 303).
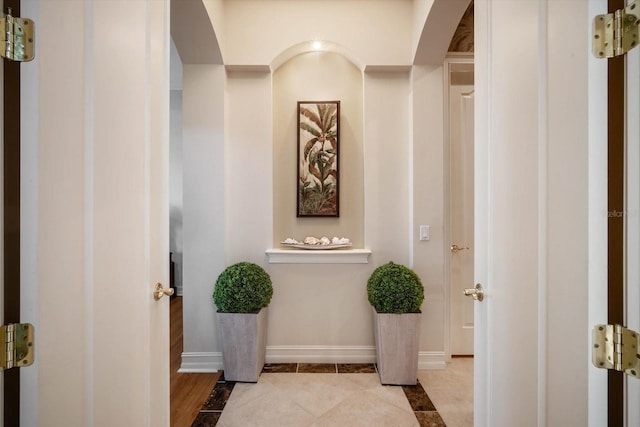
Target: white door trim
(30, 113)
(597, 288)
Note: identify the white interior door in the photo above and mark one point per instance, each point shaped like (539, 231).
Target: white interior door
(96, 116)
(533, 122)
(461, 205)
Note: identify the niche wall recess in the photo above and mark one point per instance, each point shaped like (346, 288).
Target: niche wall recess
(318, 76)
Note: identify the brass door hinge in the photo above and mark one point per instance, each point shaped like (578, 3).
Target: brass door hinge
(616, 347)
(17, 38)
(18, 345)
(615, 34)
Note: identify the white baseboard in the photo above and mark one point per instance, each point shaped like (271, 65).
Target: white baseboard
(321, 354)
(212, 361)
(201, 362)
(431, 360)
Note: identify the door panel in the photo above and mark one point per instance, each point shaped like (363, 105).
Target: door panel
(100, 117)
(532, 120)
(461, 102)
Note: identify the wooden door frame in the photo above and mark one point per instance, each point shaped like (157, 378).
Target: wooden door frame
(11, 218)
(615, 224)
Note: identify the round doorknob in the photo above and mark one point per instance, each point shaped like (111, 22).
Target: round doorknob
(476, 293)
(161, 291)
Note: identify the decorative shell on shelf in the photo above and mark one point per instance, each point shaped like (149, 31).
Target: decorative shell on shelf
(310, 240)
(340, 241)
(323, 241)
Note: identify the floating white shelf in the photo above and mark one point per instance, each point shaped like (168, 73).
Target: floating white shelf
(333, 256)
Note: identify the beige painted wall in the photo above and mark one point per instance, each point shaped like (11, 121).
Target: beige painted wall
(375, 35)
(203, 203)
(248, 171)
(428, 201)
(318, 312)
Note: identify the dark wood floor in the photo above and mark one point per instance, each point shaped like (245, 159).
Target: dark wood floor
(188, 391)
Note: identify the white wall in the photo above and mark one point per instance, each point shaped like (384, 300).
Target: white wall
(387, 167)
(203, 198)
(377, 35)
(428, 201)
(248, 166)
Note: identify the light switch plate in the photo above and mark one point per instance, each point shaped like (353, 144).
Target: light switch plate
(424, 232)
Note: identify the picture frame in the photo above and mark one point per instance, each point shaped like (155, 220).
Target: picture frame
(318, 146)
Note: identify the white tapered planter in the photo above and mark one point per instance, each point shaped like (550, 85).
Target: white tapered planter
(243, 338)
(397, 338)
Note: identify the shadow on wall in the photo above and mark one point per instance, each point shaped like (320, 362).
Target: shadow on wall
(175, 245)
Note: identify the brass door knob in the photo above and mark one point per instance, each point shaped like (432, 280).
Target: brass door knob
(455, 248)
(161, 291)
(476, 293)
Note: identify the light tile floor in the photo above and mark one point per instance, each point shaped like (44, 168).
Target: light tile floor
(312, 399)
(286, 399)
(451, 391)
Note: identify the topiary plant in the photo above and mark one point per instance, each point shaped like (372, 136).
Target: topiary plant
(243, 288)
(394, 288)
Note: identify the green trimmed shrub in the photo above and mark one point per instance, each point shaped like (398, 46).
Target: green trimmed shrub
(243, 288)
(394, 288)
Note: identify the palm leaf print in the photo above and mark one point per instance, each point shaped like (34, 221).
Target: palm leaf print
(318, 158)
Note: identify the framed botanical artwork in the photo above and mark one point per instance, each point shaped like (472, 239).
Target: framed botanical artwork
(318, 155)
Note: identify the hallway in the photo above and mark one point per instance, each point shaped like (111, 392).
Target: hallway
(450, 390)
